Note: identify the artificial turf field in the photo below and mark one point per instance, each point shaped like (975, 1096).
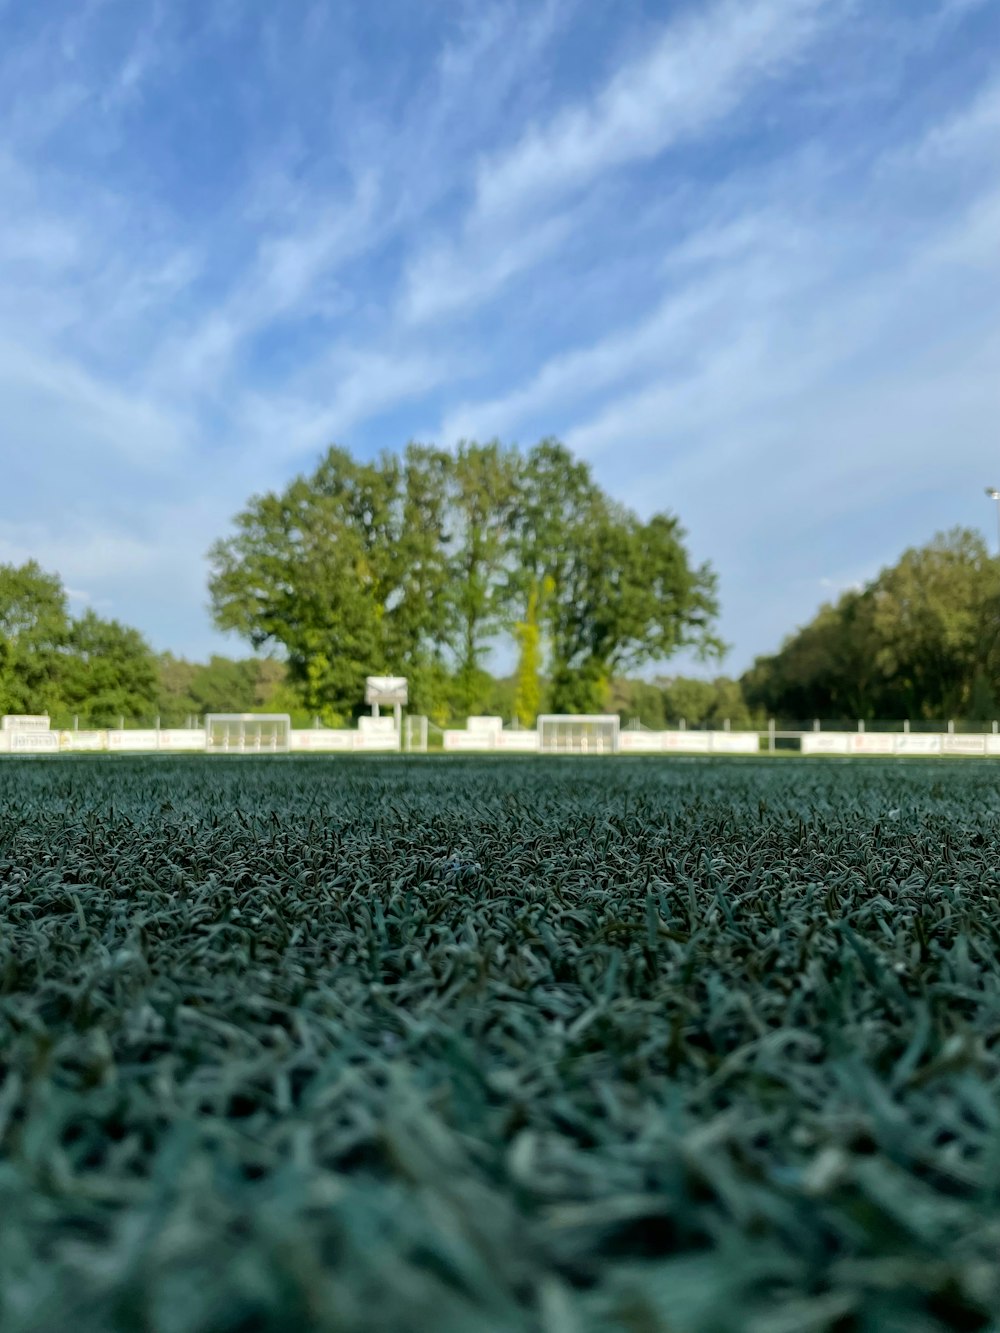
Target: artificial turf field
(462, 1045)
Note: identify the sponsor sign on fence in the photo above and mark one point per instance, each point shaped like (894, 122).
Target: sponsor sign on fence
(910, 743)
(640, 742)
(34, 742)
(182, 738)
(83, 740)
(963, 744)
(695, 742)
(481, 733)
(523, 742)
(824, 742)
(376, 740)
(734, 742)
(872, 742)
(25, 722)
(321, 739)
(454, 739)
(134, 740)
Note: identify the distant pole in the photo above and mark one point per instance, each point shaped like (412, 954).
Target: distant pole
(994, 494)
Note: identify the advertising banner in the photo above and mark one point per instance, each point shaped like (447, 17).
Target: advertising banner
(321, 739)
(908, 743)
(182, 738)
(871, 742)
(824, 742)
(83, 740)
(25, 722)
(34, 742)
(734, 742)
(524, 742)
(971, 745)
(640, 742)
(136, 739)
(694, 742)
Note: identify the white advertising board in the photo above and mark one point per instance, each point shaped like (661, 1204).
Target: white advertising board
(524, 742)
(376, 740)
(640, 742)
(871, 742)
(34, 742)
(321, 739)
(824, 742)
(25, 722)
(467, 740)
(911, 743)
(734, 742)
(963, 744)
(694, 742)
(489, 725)
(182, 738)
(134, 739)
(376, 725)
(83, 740)
(993, 744)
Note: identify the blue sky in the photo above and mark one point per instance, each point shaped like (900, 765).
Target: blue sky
(742, 255)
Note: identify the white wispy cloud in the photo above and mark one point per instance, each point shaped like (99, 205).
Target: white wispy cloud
(696, 72)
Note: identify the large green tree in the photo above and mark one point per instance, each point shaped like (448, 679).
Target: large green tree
(344, 569)
(415, 564)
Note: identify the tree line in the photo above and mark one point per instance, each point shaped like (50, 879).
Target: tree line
(96, 672)
(921, 640)
(418, 563)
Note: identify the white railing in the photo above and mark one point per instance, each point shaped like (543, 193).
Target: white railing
(33, 735)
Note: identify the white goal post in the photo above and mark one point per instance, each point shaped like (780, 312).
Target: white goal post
(247, 733)
(569, 733)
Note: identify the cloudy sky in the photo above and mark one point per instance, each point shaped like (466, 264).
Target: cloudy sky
(742, 255)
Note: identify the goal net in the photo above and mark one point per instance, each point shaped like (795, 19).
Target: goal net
(247, 733)
(565, 733)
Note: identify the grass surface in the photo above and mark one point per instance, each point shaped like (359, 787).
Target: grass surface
(298, 1044)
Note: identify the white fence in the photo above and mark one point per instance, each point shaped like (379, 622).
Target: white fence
(28, 735)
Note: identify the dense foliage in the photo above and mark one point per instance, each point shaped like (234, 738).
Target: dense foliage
(414, 564)
(921, 641)
(480, 1046)
(52, 662)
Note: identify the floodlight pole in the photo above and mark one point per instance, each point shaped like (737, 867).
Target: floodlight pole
(994, 494)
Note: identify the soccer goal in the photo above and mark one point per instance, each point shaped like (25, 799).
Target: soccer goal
(566, 733)
(247, 733)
